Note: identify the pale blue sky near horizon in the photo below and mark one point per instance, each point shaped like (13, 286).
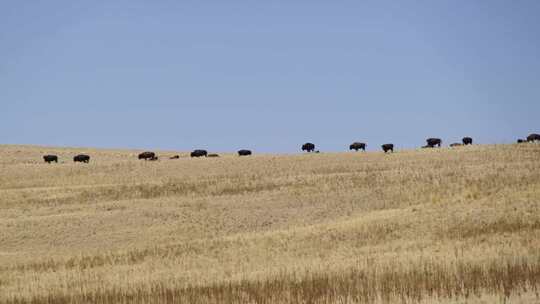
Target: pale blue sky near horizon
(267, 75)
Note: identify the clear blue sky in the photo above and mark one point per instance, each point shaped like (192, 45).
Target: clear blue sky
(267, 75)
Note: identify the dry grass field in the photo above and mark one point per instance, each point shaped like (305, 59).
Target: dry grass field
(442, 225)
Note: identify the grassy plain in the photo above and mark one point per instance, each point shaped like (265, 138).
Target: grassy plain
(445, 225)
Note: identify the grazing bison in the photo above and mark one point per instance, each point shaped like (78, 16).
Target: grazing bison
(213, 155)
(50, 158)
(520, 141)
(357, 146)
(175, 157)
(244, 152)
(533, 137)
(388, 147)
(82, 158)
(432, 142)
(199, 153)
(467, 141)
(455, 145)
(309, 147)
(147, 155)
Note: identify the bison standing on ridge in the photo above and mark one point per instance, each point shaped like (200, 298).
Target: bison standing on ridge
(81, 158)
(357, 146)
(388, 147)
(467, 141)
(309, 147)
(432, 142)
(147, 155)
(50, 158)
(199, 153)
(533, 137)
(244, 152)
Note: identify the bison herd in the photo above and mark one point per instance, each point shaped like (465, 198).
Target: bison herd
(81, 158)
(307, 147)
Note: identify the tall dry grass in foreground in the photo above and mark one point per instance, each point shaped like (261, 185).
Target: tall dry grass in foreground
(441, 225)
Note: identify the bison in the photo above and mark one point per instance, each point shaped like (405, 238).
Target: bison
(432, 142)
(388, 147)
(213, 155)
(81, 158)
(50, 158)
(147, 155)
(357, 146)
(244, 152)
(466, 141)
(455, 145)
(533, 137)
(199, 153)
(309, 147)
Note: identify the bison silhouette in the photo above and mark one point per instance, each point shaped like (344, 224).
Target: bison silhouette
(466, 140)
(309, 147)
(244, 152)
(199, 153)
(432, 142)
(533, 137)
(81, 158)
(147, 155)
(357, 146)
(50, 158)
(388, 147)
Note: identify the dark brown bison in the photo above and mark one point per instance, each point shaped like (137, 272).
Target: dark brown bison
(309, 147)
(244, 152)
(533, 137)
(455, 145)
(466, 140)
(50, 158)
(81, 158)
(388, 147)
(520, 141)
(175, 157)
(147, 155)
(199, 153)
(432, 142)
(357, 146)
(213, 155)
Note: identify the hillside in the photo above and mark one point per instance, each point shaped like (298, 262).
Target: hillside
(432, 226)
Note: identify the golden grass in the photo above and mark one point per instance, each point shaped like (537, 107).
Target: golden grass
(443, 225)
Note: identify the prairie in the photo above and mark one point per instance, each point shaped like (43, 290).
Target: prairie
(448, 225)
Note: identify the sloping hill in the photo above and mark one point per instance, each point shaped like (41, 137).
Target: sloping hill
(435, 225)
